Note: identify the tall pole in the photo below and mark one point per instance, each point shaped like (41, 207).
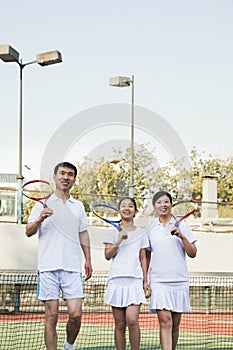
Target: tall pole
(131, 185)
(20, 176)
(9, 54)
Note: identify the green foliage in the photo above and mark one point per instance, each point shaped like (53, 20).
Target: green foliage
(108, 180)
(27, 208)
(222, 169)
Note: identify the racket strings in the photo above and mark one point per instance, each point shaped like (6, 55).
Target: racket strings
(107, 213)
(184, 208)
(38, 190)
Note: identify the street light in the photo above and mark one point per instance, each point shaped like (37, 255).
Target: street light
(125, 82)
(9, 54)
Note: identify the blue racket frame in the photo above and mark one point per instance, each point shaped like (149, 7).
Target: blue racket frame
(115, 223)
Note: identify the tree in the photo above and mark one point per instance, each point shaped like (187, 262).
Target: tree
(103, 181)
(222, 169)
(106, 181)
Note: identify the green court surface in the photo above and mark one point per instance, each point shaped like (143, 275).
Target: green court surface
(208, 326)
(16, 336)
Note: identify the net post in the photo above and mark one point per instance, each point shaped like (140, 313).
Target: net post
(17, 288)
(207, 300)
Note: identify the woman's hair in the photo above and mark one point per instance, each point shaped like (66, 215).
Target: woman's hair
(159, 194)
(131, 199)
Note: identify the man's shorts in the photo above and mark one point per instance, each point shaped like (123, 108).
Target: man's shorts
(52, 283)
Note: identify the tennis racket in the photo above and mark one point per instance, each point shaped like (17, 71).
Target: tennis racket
(182, 210)
(108, 213)
(63, 219)
(38, 190)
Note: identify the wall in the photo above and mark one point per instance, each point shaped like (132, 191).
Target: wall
(18, 252)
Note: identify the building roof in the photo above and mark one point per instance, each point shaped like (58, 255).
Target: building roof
(9, 178)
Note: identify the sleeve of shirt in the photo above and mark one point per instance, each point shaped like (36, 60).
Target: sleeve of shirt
(147, 230)
(35, 213)
(187, 232)
(111, 236)
(83, 219)
(145, 241)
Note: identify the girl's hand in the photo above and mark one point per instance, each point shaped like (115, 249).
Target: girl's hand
(123, 234)
(147, 289)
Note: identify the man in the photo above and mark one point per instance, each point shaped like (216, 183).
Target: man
(63, 236)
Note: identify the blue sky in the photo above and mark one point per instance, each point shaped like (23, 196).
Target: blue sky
(180, 52)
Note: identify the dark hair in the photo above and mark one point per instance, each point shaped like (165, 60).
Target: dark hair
(131, 199)
(65, 165)
(159, 194)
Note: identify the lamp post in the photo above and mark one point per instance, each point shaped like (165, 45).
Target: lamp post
(9, 54)
(125, 82)
(111, 161)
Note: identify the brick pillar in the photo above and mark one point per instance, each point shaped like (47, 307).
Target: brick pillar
(209, 194)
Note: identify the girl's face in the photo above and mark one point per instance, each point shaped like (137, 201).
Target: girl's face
(127, 209)
(163, 206)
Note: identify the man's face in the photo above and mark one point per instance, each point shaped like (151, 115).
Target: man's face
(64, 179)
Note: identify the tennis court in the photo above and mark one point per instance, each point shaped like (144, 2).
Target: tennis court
(208, 326)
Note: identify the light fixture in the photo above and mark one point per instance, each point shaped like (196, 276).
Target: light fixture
(9, 54)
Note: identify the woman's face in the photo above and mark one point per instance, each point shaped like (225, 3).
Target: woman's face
(163, 206)
(127, 209)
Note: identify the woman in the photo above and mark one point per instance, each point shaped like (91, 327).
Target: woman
(127, 280)
(169, 279)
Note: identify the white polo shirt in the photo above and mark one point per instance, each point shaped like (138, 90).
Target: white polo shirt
(126, 262)
(168, 261)
(58, 244)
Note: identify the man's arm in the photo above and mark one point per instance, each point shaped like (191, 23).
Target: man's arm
(32, 227)
(85, 244)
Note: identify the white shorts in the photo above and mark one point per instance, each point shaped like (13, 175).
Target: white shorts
(51, 283)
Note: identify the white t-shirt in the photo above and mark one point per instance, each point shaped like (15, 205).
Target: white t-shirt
(126, 262)
(58, 245)
(168, 261)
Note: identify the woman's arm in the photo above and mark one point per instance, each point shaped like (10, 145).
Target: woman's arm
(143, 261)
(190, 248)
(148, 257)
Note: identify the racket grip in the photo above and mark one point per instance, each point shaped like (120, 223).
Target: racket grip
(124, 236)
(176, 225)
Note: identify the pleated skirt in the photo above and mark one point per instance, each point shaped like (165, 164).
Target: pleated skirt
(125, 291)
(170, 296)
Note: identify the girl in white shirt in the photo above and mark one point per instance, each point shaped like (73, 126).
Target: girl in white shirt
(169, 279)
(127, 280)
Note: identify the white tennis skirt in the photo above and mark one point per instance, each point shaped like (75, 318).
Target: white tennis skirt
(125, 291)
(172, 296)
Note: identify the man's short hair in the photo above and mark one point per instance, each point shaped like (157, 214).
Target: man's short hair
(65, 165)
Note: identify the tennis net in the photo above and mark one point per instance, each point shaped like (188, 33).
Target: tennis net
(208, 326)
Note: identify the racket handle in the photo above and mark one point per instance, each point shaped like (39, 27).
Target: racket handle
(45, 205)
(124, 236)
(176, 225)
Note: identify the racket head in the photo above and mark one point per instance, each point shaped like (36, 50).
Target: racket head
(183, 209)
(107, 213)
(37, 190)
